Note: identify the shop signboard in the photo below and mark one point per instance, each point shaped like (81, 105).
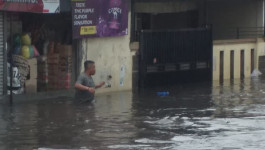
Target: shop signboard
(51, 6)
(37, 6)
(99, 18)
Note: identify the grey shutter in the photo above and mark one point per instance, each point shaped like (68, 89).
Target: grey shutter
(1, 53)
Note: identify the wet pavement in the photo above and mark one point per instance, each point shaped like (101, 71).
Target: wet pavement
(193, 116)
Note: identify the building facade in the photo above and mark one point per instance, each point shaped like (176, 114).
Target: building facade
(118, 58)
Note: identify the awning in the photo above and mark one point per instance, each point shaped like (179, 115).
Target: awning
(36, 6)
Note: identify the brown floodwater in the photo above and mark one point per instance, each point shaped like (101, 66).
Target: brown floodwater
(204, 115)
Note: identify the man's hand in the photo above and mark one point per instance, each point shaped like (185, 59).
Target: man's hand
(101, 84)
(91, 90)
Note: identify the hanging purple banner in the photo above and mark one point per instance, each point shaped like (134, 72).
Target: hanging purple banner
(99, 18)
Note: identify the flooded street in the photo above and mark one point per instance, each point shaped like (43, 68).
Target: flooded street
(193, 116)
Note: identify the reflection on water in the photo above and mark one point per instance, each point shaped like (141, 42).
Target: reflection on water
(193, 116)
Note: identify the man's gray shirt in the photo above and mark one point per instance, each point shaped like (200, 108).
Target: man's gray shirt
(84, 95)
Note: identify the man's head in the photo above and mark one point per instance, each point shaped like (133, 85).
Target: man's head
(89, 66)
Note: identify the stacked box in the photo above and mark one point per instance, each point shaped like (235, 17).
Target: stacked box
(55, 71)
(65, 67)
(31, 82)
(42, 74)
(53, 60)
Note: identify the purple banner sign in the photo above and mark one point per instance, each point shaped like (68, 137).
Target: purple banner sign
(99, 18)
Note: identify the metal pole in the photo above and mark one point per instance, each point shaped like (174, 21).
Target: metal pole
(11, 63)
(263, 15)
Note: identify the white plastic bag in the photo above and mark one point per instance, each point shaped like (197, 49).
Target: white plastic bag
(256, 73)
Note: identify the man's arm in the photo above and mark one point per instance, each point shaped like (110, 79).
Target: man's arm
(84, 88)
(100, 85)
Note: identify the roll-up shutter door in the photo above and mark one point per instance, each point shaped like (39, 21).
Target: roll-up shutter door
(1, 53)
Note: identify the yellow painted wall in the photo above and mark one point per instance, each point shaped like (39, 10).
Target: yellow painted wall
(237, 46)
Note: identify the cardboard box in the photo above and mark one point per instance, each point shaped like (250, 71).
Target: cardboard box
(31, 82)
(33, 67)
(60, 68)
(53, 59)
(64, 80)
(64, 76)
(64, 84)
(53, 83)
(42, 81)
(65, 58)
(65, 50)
(31, 86)
(65, 69)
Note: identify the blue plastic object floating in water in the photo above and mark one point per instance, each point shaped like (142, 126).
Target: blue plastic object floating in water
(162, 93)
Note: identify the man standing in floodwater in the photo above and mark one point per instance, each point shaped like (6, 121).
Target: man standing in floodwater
(85, 86)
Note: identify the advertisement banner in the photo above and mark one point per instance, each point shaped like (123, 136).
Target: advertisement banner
(37, 6)
(99, 18)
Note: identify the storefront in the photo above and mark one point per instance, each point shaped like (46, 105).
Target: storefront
(2, 53)
(37, 43)
(54, 44)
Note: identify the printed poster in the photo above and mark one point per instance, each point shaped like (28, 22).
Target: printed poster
(99, 18)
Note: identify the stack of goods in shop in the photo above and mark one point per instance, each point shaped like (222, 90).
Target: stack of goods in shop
(54, 66)
(43, 68)
(65, 66)
(24, 54)
(59, 66)
(53, 60)
(42, 74)
(31, 82)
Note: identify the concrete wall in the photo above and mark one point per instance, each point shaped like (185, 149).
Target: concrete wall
(225, 16)
(110, 55)
(188, 19)
(237, 45)
(164, 7)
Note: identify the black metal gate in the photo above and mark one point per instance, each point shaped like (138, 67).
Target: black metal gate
(170, 57)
